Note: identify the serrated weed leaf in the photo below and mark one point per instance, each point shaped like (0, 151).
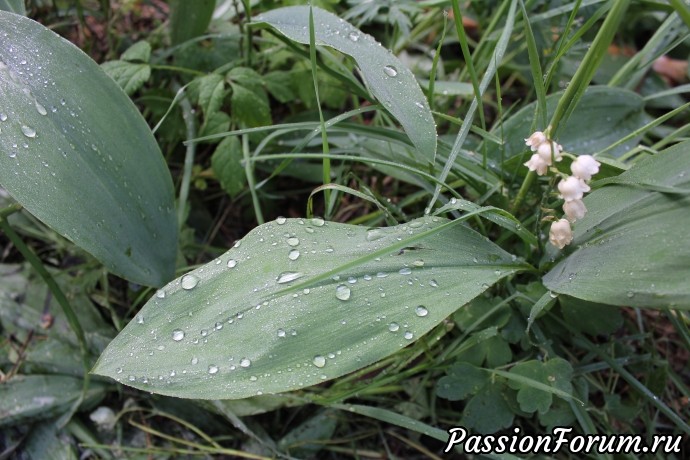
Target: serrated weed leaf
(301, 301)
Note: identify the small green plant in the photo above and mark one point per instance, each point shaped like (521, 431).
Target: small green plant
(488, 288)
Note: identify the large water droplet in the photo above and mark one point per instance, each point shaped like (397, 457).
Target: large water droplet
(318, 222)
(405, 271)
(393, 327)
(28, 131)
(418, 263)
(294, 241)
(408, 335)
(433, 283)
(189, 282)
(421, 311)
(232, 263)
(281, 220)
(342, 292)
(40, 109)
(3, 117)
(286, 277)
(293, 255)
(281, 333)
(177, 335)
(160, 294)
(390, 71)
(212, 369)
(245, 362)
(353, 36)
(319, 361)
(374, 234)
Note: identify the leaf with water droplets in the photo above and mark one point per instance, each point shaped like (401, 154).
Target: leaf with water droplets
(77, 154)
(288, 322)
(13, 6)
(386, 76)
(632, 246)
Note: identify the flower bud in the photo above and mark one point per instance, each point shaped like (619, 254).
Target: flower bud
(572, 188)
(584, 167)
(560, 234)
(537, 138)
(536, 163)
(544, 150)
(574, 210)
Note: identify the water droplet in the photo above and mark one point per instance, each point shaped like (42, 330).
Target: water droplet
(630, 294)
(189, 282)
(405, 271)
(3, 117)
(293, 255)
(28, 131)
(393, 327)
(177, 335)
(375, 234)
(245, 362)
(318, 222)
(342, 292)
(433, 283)
(286, 277)
(281, 220)
(232, 263)
(219, 326)
(131, 378)
(160, 294)
(353, 36)
(281, 333)
(140, 319)
(12, 154)
(351, 279)
(421, 311)
(408, 335)
(212, 369)
(390, 71)
(319, 361)
(381, 274)
(418, 263)
(40, 109)
(294, 241)
(195, 360)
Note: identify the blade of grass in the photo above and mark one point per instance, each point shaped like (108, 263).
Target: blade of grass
(682, 10)
(488, 76)
(434, 63)
(590, 63)
(535, 67)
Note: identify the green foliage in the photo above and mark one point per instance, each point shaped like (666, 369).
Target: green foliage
(53, 137)
(322, 334)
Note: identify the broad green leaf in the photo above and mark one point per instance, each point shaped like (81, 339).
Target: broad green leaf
(77, 154)
(279, 84)
(604, 115)
(631, 247)
(462, 380)
(298, 302)
(488, 411)
(216, 123)
(140, 51)
(34, 397)
(46, 442)
(189, 19)
(249, 108)
(386, 76)
(590, 318)
(130, 76)
(211, 92)
(13, 6)
(555, 373)
(227, 167)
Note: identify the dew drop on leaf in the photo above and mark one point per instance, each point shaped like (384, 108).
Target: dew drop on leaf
(245, 362)
(28, 131)
(393, 327)
(390, 71)
(421, 311)
(177, 335)
(342, 292)
(189, 282)
(232, 263)
(319, 361)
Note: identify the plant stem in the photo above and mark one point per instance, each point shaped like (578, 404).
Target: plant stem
(526, 184)
(188, 116)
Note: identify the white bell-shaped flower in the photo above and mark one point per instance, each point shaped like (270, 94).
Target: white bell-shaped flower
(535, 140)
(574, 210)
(560, 234)
(572, 188)
(545, 149)
(537, 163)
(584, 167)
